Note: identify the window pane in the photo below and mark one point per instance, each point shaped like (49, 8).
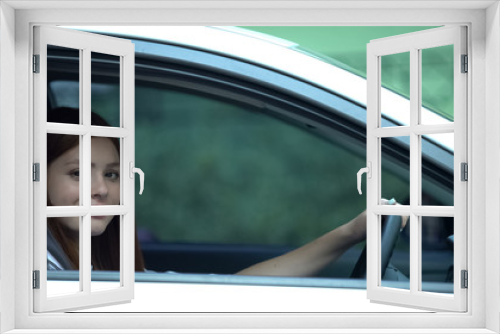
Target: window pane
(234, 185)
(106, 87)
(105, 171)
(395, 254)
(437, 254)
(106, 252)
(63, 170)
(396, 157)
(63, 256)
(63, 63)
(395, 99)
(438, 169)
(437, 85)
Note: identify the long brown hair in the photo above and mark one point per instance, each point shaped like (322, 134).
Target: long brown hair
(106, 246)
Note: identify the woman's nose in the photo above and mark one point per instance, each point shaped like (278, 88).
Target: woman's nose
(99, 187)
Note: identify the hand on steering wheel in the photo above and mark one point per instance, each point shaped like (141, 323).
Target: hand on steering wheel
(391, 228)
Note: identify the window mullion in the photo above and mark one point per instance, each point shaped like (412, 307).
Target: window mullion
(85, 229)
(79, 130)
(85, 112)
(127, 121)
(85, 180)
(85, 262)
(461, 142)
(415, 257)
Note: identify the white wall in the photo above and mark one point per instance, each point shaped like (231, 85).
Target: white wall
(492, 146)
(486, 104)
(7, 159)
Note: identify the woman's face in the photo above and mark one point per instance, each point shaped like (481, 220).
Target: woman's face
(63, 182)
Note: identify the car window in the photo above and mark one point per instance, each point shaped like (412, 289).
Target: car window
(234, 180)
(231, 176)
(230, 180)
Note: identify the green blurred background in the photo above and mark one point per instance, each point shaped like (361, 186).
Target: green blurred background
(346, 46)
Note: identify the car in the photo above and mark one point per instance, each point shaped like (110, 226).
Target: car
(251, 146)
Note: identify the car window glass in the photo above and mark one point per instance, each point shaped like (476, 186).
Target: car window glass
(229, 176)
(105, 87)
(232, 185)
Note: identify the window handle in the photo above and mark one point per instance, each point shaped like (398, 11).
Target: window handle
(366, 170)
(141, 176)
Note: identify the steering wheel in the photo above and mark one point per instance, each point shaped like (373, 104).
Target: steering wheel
(390, 232)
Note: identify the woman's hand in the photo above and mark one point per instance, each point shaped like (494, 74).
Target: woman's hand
(356, 228)
(311, 258)
(404, 219)
(314, 256)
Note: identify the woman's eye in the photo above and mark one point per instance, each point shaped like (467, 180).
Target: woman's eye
(75, 173)
(113, 175)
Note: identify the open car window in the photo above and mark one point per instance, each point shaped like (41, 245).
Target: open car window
(249, 163)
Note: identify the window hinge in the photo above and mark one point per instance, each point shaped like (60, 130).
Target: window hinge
(36, 279)
(464, 171)
(36, 63)
(465, 64)
(465, 279)
(36, 172)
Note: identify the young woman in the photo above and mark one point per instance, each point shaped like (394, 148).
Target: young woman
(63, 184)
(63, 189)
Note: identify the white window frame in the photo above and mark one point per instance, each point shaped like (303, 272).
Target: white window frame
(85, 43)
(413, 44)
(484, 291)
